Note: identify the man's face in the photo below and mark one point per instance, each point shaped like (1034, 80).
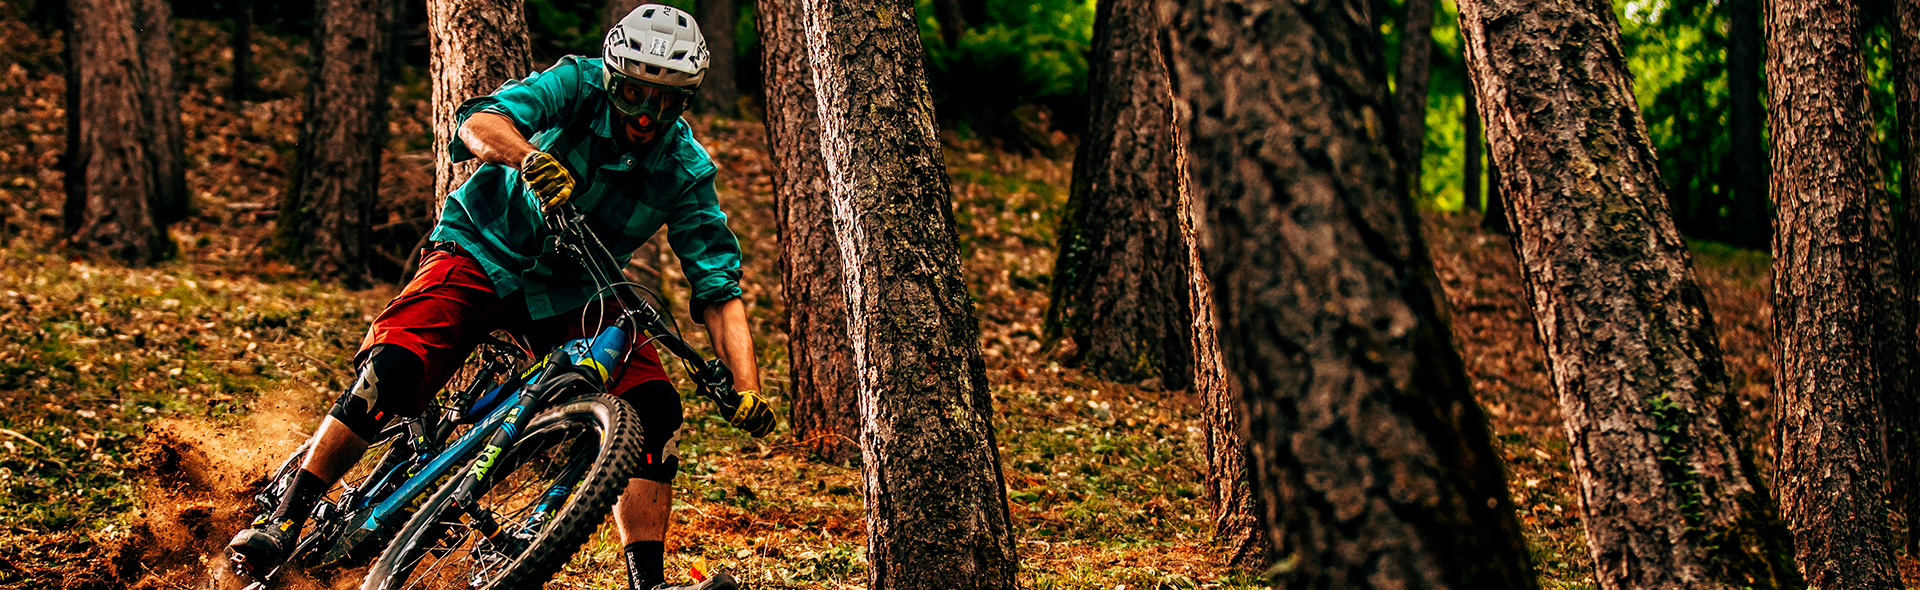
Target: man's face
(640, 130)
(644, 110)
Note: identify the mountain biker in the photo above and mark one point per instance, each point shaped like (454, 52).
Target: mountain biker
(606, 135)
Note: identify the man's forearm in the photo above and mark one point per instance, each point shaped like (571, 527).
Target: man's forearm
(492, 138)
(733, 341)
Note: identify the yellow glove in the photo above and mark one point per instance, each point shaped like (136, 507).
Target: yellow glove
(753, 415)
(549, 180)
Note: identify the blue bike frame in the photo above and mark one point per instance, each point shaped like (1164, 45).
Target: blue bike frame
(579, 362)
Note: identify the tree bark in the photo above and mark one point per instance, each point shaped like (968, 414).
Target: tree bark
(719, 91)
(1752, 221)
(1121, 280)
(242, 87)
(325, 220)
(1237, 531)
(113, 186)
(1902, 408)
(1374, 465)
(936, 503)
(1669, 500)
(824, 401)
(167, 142)
(1831, 231)
(1410, 91)
(476, 46)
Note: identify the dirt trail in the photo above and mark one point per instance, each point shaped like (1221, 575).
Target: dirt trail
(196, 478)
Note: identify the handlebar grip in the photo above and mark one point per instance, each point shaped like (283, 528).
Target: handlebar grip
(716, 382)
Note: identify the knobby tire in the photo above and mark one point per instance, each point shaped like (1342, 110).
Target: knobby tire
(591, 501)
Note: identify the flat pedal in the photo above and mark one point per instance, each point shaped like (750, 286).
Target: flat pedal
(258, 580)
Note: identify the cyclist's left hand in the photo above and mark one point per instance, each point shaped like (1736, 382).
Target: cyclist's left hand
(753, 415)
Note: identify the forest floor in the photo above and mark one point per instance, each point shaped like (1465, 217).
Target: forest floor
(139, 408)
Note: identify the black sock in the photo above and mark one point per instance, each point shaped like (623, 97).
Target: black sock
(297, 503)
(646, 564)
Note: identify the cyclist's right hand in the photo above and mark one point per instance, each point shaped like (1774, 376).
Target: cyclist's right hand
(550, 181)
(752, 415)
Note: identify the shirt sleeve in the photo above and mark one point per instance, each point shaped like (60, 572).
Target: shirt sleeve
(539, 102)
(709, 253)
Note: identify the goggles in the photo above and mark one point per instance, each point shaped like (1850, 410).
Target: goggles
(634, 97)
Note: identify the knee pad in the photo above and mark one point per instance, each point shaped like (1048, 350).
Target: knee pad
(658, 405)
(389, 384)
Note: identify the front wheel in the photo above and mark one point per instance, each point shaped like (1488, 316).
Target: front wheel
(535, 506)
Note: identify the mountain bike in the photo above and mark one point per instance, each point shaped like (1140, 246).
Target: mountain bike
(545, 454)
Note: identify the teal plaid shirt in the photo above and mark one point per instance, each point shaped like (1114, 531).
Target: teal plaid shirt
(626, 196)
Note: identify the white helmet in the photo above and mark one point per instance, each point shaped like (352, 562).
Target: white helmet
(657, 44)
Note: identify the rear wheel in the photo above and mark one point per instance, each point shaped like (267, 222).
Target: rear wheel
(324, 523)
(541, 499)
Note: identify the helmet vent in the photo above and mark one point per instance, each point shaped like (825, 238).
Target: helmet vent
(647, 14)
(679, 54)
(683, 21)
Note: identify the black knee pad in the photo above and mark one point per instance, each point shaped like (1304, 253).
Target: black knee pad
(390, 370)
(658, 405)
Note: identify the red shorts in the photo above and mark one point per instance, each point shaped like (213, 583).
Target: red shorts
(450, 306)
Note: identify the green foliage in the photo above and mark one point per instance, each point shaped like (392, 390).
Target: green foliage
(1677, 52)
(1877, 50)
(1028, 53)
(1443, 158)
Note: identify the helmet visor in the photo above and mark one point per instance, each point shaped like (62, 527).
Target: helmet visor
(634, 97)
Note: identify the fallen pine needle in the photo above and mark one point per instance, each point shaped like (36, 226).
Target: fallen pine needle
(25, 438)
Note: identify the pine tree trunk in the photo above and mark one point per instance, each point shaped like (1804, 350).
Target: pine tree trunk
(1121, 281)
(113, 191)
(1410, 91)
(824, 401)
(1373, 463)
(476, 46)
(719, 91)
(1831, 229)
(1902, 408)
(1669, 500)
(167, 142)
(324, 221)
(242, 88)
(1752, 221)
(1237, 532)
(936, 502)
